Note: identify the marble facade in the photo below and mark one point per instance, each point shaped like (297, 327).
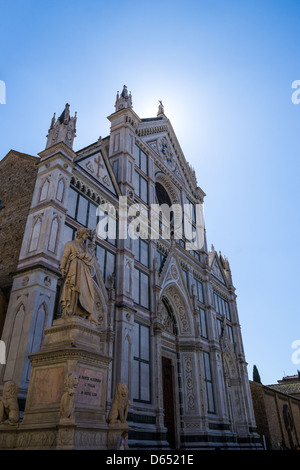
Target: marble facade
(168, 324)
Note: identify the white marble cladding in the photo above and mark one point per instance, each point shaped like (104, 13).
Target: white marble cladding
(138, 336)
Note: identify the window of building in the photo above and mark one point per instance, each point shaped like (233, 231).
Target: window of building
(203, 327)
(84, 211)
(199, 291)
(219, 327)
(208, 383)
(165, 217)
(186, 278)
(141, 186)
(141, 363)
(107, 226)
(68, 234)
(221, 306)
(195, 254)
(189, 225)
(140, 182)
(106, 260)
(230, 333)
(191, 210)
(229, 330)
(141, 288)
(181, 242)
(141, 251)
(72, 202)
(161, 258)
(92, 217)
(141, 159)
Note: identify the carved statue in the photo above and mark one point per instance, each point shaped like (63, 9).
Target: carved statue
(78, 295)
(124, 92)
(9, 408)
(161, 109)
(67, 400)
(67, 113)
(119, 407)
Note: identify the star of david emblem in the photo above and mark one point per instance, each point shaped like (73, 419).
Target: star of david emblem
(167, 154)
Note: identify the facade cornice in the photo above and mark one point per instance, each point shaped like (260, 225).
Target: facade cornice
(21, 155)
(220, 289)
(85, 184)
(60, 148)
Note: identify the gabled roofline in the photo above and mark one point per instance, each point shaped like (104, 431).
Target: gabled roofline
(25, 156)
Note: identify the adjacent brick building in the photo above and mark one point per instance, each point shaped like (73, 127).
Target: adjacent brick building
(289, 384)
(17, 180)
(277, 417)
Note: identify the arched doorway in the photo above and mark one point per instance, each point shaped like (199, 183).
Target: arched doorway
(168, 363)
(177, 327)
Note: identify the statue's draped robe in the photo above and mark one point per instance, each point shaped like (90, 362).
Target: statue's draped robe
(78, 286)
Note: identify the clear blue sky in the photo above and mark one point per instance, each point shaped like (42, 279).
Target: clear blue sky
(224, 71)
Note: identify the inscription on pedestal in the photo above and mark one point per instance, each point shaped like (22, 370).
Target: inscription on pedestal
(47, 386)
(89, 386)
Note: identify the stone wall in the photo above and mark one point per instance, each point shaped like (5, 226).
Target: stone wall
(277, 417)
(17, 179)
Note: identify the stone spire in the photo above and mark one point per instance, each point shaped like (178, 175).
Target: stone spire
(62, 129)
(124, 100)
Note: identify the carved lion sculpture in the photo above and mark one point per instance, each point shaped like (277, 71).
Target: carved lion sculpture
(9, 407)
(67, 400)
(119, 407)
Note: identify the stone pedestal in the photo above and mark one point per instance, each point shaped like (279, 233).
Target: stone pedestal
(114, 432)
(66, 401)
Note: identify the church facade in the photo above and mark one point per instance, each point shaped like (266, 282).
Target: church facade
(166, 306)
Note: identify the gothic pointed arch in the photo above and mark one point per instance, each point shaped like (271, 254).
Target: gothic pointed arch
(38, 328)
(54, 231)
(60, 191)
(35, 234)
(167, 317)
(17, 329)
(44, 189)
(171, 280)
(180, 307)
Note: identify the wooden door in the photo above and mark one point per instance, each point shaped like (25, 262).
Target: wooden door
(168, 398)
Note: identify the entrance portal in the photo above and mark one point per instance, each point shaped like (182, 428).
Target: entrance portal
(168, 398)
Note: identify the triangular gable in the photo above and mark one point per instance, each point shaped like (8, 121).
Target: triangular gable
(217, 269)
(174, 288)
(98, 167)
(166, 153)
(167, 148)
(172, 273)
